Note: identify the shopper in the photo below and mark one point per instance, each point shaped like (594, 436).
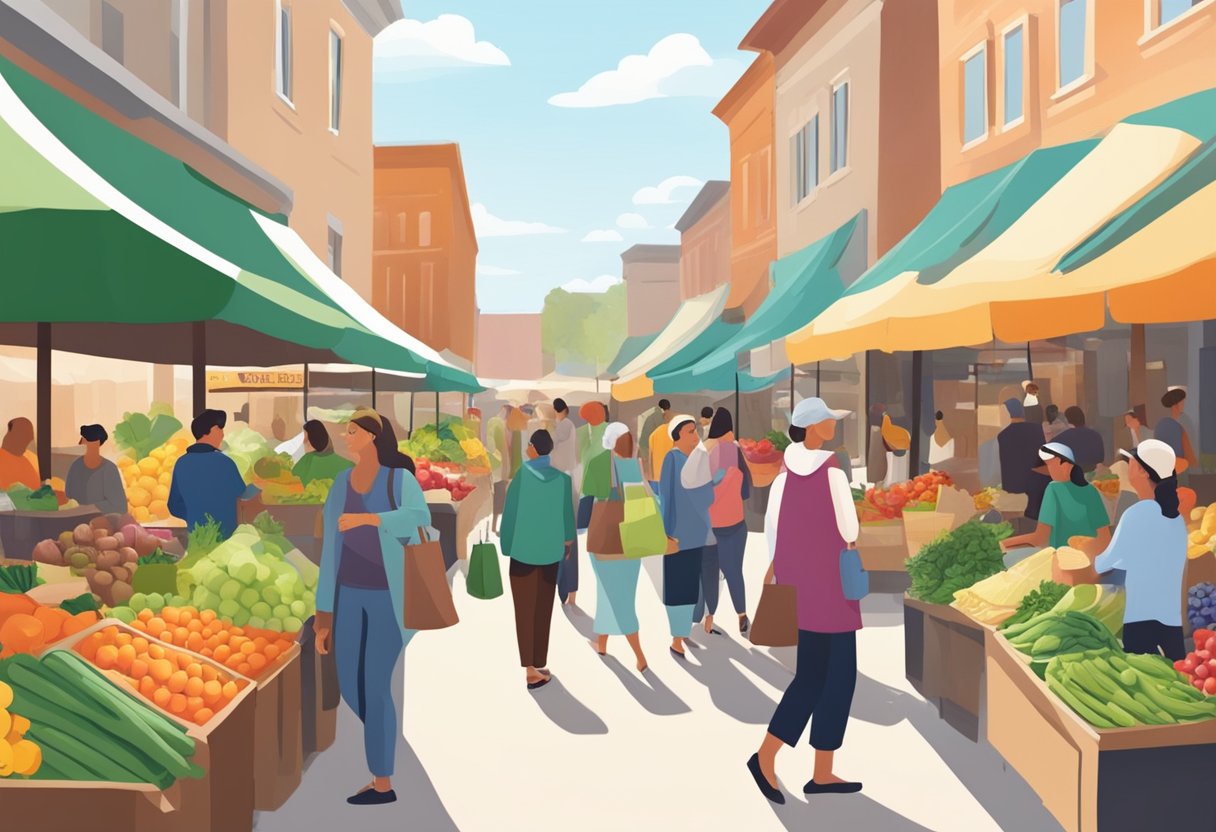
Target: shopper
(15, 464)
(1136, 429)
(1071, 505)
(206, 483)
(1150, 544)
(1172, 432)
(94, 480)
(810, 520)
(616, 576)
(1053, 423)
(896, 442)
(941, 444)
(321, 462)
(707, 416)
(1018, 444)
(1030, 403)
(876, 451)
(685, 494)
(656, 416)
(373, 510)
(660, 443)
(1086, 443)
(537, 534)
(734, 486)
(565, 442)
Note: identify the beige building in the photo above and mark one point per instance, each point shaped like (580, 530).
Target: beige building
(652, 286)
(509, 347)
(705, 241)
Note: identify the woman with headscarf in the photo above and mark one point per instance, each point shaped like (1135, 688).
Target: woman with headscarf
(895, 441)
(734, 486)
(373, 511)
(616, 576)
(1071, 505)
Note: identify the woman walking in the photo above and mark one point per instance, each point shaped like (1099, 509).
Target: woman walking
(686, 493)
(733, 486)
(810, 520)
(616, 576)
(373, 511)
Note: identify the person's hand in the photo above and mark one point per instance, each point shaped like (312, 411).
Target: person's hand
(322, 627)
(569, 549)
(346, 522)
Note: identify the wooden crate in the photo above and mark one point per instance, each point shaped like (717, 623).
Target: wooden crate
(278, 751)
(944, 660)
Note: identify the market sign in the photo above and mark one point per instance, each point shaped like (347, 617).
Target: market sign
(220, 382)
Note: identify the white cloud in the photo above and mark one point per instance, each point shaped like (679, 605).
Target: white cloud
(447, 41)
(633, 222)
(495, 271)
(603, 235)
(664, 192)
(597, 284)
(488, 225)
(676, 66)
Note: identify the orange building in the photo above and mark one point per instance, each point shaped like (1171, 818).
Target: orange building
(1021, 74)
(705, 240)
(425, 257)
(747, 111)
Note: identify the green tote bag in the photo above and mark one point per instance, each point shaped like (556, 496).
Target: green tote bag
(485, 579)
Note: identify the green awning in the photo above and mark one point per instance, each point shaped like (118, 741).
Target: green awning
(630, 349)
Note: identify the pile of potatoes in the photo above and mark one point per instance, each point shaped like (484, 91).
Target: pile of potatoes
(104, 552)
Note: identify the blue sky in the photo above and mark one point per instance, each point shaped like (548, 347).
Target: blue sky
(484, 73)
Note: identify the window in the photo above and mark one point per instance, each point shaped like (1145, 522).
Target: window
(402, 219)
(975, 95)
(426, 301)
(334, 249)
(1168, 10)
(762, 187)
(283, 52)
(424, 229)
(1014, 80)
(1073, 41)
(745, 192)
(804, 151)
(179, 17)
(335, 79)
(112, 32)
(840, 126)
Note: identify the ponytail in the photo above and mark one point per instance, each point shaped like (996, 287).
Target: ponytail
(1166, 495)
(1077, 476)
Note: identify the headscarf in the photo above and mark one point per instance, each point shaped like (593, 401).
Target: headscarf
(613, 432)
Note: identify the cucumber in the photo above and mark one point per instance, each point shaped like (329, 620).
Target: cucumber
(1183, 711)
(1166, 719)
(90, 758)
(28, 675)
(1061, 689)
(1121, 717)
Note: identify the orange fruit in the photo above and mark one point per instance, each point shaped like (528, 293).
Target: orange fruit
(193, 704)
(147, 687)
(107, 656)
(221, 653)
(257, 662)
(207, 616)
(171, 615)
(140, 644)
(139, 669)
(160, 669)
(243, 668)
(125, 658)
(203, 715)
(145, 615)
(155, 627)
(194, 642)
(161, 697)
(177, 681)
(210, 674)
(230, 689)
(177, 703)
(248, 648)
(272, 652)
(194, 686)
(156, 651)
(212, 690)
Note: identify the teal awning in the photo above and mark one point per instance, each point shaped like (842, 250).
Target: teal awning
(630, 349)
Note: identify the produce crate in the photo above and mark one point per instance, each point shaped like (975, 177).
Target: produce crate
(944, 661)
(20, 531)
(1197, 571)
(278, 752)
(222, 801)
(1090, 779)
(884, 552)
(71, 804)
(319, 698)
(297, 520)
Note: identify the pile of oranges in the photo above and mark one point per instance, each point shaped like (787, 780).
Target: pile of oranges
(174, 681)
(251, 653)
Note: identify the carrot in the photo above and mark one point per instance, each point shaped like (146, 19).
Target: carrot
(22, 633)
(12, 604)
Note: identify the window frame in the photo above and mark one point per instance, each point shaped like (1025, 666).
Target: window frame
(841, 81)
(811, 164)
(980, 49)
(1022, 23)
(333, 244)
(284, 66)
(113, 10)
(180, 10)
(1087, 59)
(425, 229)
(1153, 24)
(337, 41)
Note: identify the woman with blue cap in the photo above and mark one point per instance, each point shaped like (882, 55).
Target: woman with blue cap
(1071, 505)
(811, 518)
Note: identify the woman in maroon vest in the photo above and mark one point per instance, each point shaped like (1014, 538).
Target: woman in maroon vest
(810, 519)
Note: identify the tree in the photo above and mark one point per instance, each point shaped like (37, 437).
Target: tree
(584, 327)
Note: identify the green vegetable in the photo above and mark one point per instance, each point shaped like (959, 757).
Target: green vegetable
(19, 578)
(79, 604)
(780, 439)
(204, 537)
(139, 434)
(1052, 633)
(157, 556)
(245, 446)
(956, 560)
(1036, 601)
(24, 499)
(267, 525)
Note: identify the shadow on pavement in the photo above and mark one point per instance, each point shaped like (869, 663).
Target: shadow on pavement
(882, 610)
(565, 711)
(732, 693)
(655, 697)
(579, 620)
(841, 811)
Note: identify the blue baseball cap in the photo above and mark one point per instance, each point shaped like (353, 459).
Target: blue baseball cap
(1057, 449)
(814, 410)
(1016, 409)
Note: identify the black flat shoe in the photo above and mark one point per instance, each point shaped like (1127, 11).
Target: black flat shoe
(766, 789)
(371, 797)
(831, 788)
(744, 624)
(540, 684)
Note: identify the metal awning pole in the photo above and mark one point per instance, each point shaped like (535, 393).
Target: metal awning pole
(305, 392)
(1029, 364)
(43, 395)
(373, 388)
(791, 387)
(198, 357)
(918, 371)
(411, 413)
(436, 410)
(819, 379)
(737, 427)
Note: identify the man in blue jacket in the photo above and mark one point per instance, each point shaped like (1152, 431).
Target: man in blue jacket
(205, 481)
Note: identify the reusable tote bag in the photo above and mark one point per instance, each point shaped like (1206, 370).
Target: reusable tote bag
(642, 531)
(485, 579)
(428, 598)
(854, 579)
(776, 623)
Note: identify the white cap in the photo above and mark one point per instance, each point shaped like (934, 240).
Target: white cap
(814, 410)
(1057, 449)
(679, 420)
(612, 433)
(1155, 455)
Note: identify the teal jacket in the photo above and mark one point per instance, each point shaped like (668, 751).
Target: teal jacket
(398, 528)
(538, 520)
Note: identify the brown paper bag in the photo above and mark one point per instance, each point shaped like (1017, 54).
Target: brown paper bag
(428, 598)
(776, 623)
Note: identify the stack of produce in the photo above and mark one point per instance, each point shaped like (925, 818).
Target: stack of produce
(103, 553)
(431, 478)
(1107, 485)
(1103, 602)
(19, 577)
(249, 652)
(42, 499)
(254, 578)
(18, 755)
(1054, 633)
(1039, 600)
(986, 498)
(956, 560)
(1202, 531)
(996, 598)
(150, 450)
(452, 442)
(88, 729)
(1201, 606)
(1199, 666)
(27, 626)
(919, 493)
(1112, 689)
(764, 456)
(174, 681)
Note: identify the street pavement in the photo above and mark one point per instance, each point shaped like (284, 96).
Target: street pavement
(604, 748)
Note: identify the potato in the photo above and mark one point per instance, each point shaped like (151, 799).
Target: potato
(83, 535)
(107, 559)
(98, 580)
(107, 543)
(66, 540)
(146, 544)
(121, 574)
(129, 555)
(100, 525)
(47, 551)
(120, 593)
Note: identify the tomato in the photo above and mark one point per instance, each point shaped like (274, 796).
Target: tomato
(1209, 687)
(1203, 655)
(1209, 645)
(1187, 666)
(1203, 671)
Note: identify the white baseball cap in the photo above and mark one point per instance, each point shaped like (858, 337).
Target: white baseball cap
(814, 410)
(1154, 455)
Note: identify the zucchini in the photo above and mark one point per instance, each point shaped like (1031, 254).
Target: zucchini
(29, 676)
(86, 756)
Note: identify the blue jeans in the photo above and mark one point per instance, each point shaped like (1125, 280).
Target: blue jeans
(367, 644)
(725, 556)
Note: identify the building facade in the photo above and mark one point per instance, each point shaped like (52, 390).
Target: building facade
(425, 257)
(509, 347)
(705, 240)
(747, 111)
(652, 286)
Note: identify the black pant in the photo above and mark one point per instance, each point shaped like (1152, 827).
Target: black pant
(824, 679)
(1147, 636)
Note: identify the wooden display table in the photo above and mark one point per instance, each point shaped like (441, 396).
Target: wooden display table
(884, 554)
(1091, 779)
(21, 531)
(944, 661)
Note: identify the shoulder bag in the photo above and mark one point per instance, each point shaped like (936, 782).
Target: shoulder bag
(427, 597)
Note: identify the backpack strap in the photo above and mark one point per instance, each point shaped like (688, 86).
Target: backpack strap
(392, 493)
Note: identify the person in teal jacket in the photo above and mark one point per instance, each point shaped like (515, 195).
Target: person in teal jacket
(373, 511)
(537, 534)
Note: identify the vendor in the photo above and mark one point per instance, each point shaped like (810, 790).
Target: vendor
(1071, 505)
(895, 441)
(1150, 546)
(321, 462)
(93, 479)
(15, 464)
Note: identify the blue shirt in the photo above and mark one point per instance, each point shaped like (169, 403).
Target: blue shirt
(685, 510)
(1151, 548)
(206, 482)
(1169, 430)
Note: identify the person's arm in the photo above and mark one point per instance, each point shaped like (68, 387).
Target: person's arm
(114, 496)
(1039, 538)
(412, 511)
(842, 504)
(177, 503)
(1120, 547)
(667, 490)
(506, 522)
(771, 514)
(696, 471)
(327, 578)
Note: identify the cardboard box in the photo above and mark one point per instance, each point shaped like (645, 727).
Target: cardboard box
(67, 804)
(278, 751)
(945, 650)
